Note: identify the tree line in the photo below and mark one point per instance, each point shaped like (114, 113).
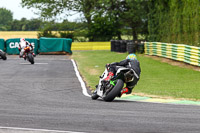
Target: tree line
(173, 21)
(104, 19)
(7, 23)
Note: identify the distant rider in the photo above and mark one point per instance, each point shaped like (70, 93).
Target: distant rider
(22, 45)
(130, 62)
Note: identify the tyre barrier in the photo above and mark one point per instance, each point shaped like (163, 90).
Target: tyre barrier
(123, 46)
(130, 46)
(113, 45)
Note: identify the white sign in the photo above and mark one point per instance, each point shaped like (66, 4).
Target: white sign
(16, 44)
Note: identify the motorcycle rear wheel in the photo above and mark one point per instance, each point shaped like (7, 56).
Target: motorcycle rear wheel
(110, 96)
(31, 58)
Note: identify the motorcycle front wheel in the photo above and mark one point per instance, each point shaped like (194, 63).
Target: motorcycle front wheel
(110, 96)
(3, 55)
(94, 95)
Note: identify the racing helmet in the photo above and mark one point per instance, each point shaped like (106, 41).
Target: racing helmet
(131, 57)
(22, 39)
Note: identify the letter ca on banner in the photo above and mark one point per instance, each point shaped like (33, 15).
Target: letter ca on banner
(16, 45)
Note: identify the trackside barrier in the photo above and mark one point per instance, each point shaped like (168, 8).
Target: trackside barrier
(2, 44)
(12, 45)
(180, 52)
(130, 46)
(55, 45)
(46, 45)
(91, 46)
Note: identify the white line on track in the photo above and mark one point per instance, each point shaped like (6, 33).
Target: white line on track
(84, 89)
(25, 130)
(34, 63)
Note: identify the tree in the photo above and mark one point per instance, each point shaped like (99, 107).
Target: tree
(102, 28)
(51, 8)
(174, 21)
(34, 24)
(135, 16)
(99, 14)
(112, 9)
(5, 19)
(15, 25)
(125, 14)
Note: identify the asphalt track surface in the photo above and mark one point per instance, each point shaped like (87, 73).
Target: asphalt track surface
(47, 97)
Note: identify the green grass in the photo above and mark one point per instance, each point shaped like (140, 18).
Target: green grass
(157, 78)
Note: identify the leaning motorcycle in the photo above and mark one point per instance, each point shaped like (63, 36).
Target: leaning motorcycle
(3, 55)
(109, 90)
(28, 55)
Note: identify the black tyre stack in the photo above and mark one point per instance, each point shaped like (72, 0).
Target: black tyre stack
(117, 46)
(129, 46)
(123, 46)
(113, 45)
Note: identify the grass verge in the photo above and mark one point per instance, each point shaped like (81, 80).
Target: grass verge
(157, 78)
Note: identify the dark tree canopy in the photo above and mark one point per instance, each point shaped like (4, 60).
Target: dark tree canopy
(5, 19)
(114, 13)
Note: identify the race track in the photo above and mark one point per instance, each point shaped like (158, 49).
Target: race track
(47, 97)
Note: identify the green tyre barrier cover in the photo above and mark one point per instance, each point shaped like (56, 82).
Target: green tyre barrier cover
(55, 45)
(12, 45)
(2, 44)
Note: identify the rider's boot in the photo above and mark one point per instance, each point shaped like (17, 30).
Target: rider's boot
(110, 75)
(124, 90)
(33, 54)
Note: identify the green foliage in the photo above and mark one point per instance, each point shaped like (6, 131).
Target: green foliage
(3, 28)
(47, 31)
(6, 17)
(135, 16)
(80, 35)
(34, 24)
(48, 8)
(174, 21)
(102, 29)
(26, 25)
(67, 35)
(105, 19)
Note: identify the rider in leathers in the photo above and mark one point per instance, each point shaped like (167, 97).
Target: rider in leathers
(130, 62)
(22, 45)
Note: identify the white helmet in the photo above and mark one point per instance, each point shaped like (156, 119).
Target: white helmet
(22, 40)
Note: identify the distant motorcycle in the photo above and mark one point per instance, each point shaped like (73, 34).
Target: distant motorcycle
(28, 55)
(109, 90)
(3, 55)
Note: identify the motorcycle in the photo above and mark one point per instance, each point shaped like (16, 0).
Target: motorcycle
(3, 55)
(109, 90)
(28, 54)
